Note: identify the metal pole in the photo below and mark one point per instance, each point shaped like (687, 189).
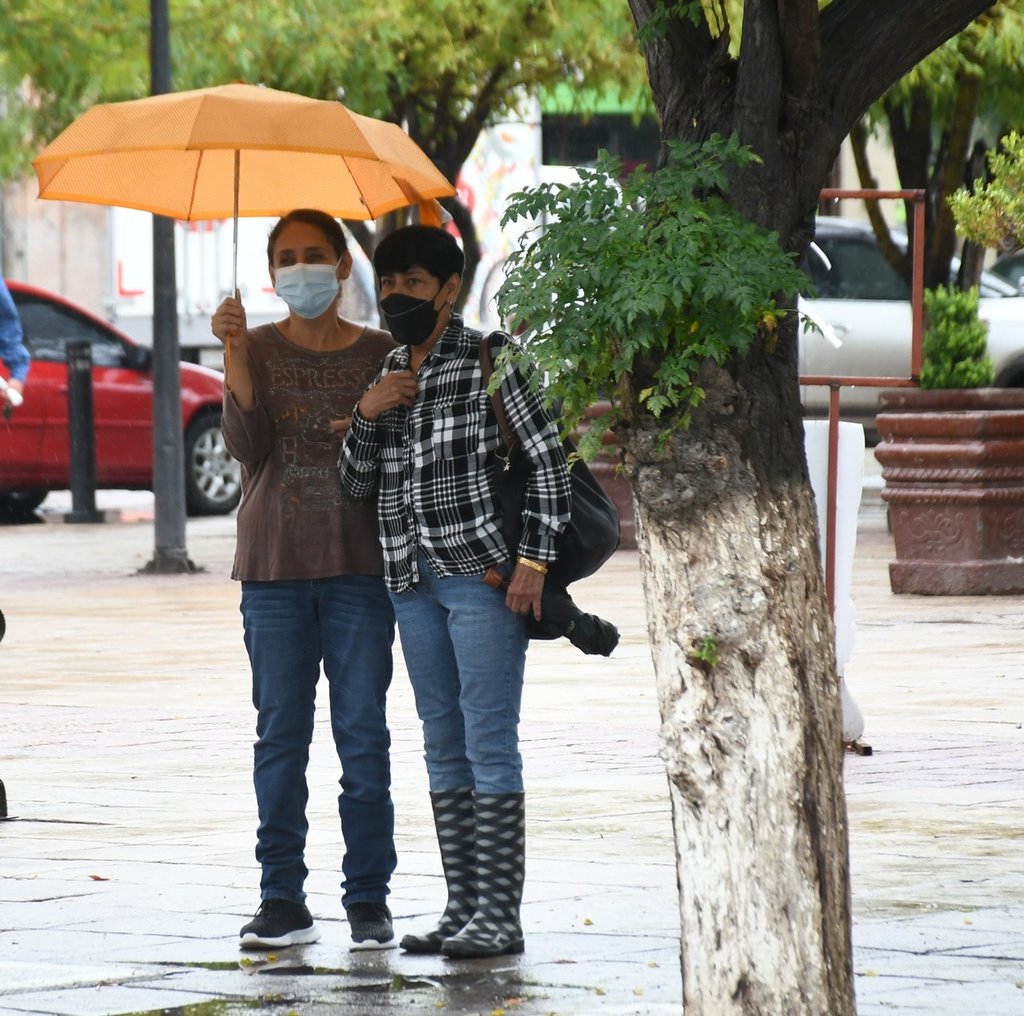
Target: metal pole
(832, 505)
(834, 383)
(917, 289)
(82, 434)
(169, 553)
(234, 230)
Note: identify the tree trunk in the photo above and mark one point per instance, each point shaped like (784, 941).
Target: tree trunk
(463, 220)
(932, 163)
(740, 634)
(972, 256)
(749, 698)
(947, 176)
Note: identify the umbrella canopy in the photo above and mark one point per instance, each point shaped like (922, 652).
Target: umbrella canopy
(236, 150)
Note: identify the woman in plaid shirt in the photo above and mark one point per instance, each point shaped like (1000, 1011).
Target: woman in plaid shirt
(421, 440)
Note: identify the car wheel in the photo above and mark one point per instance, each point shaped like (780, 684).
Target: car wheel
(1010, 377)
(19, 504)
(213, 482)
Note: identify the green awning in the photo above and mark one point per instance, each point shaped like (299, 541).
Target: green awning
(566, 99)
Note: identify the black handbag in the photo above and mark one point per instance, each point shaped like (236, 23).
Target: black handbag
(592, 534)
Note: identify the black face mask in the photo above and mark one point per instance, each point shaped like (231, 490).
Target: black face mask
(410, 320)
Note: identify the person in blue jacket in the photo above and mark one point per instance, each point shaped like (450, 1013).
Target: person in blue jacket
(12, 347)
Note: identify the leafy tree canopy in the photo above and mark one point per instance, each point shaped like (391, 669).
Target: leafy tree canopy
(58, 58)
(993, 214)
(990, 48)
(446, 68)
(603, 315)
(938, 118)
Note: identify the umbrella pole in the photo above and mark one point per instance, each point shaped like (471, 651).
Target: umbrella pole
(234, 241)
(234, 269)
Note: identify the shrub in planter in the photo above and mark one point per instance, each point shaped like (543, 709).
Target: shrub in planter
(953, 352)
(952, 456)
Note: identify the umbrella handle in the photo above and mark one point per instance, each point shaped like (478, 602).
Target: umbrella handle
(227, 354)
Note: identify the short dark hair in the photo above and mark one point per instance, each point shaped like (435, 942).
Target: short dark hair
(311, 217)
(430, 248)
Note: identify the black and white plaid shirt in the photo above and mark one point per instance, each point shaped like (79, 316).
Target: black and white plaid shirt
(431, 466)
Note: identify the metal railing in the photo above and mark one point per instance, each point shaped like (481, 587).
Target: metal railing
(836, 384)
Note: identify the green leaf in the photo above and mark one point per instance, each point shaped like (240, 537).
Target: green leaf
(658, 272)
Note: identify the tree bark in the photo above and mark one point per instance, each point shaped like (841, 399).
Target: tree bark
(740, 633)
(463, 219)
(948, 176)
(751, 733)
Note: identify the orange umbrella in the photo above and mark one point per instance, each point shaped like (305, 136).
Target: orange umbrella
(239, 150)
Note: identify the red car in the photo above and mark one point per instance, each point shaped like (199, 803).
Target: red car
(35, 443)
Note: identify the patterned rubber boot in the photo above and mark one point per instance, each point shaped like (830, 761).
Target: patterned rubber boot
(454, 824)
(500, 870)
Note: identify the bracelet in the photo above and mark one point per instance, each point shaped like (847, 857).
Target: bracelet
(537, 566)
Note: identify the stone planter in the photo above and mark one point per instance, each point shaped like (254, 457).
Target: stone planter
(953, 465)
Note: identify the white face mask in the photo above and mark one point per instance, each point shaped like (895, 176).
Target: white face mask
(307, 289)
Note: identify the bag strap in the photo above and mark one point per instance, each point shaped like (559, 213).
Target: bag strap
(508, 435)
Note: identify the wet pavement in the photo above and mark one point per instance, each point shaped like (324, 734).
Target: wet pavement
(126, 868)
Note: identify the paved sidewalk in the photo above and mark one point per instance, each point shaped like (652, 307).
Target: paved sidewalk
(125, 732)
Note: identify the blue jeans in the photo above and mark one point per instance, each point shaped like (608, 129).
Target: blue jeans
(465, 652)
(290, 626)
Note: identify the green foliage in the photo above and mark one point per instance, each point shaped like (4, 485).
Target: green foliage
(955, 341)
(990, 47)
(721, 16)
(650, 277)
(993, 215)
(663, 11)
(968, 90)
(58, 58)
(447, 68)
(708, 652)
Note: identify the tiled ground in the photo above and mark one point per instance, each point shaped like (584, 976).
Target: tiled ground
(125, 728)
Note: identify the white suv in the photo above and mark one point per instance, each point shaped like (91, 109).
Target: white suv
(863, 306)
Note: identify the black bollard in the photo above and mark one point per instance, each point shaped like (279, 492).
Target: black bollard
(82, 433)
(3, 792)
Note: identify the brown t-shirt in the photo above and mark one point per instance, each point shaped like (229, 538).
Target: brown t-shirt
(294, 521)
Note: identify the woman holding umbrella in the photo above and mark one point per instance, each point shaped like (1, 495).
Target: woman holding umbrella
(311, 568)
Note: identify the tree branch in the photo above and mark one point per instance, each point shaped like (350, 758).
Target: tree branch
(801, 49)
(894, 254)
(866, 45)
(910, 131)
(949, 173)
(676, 64)
(911, 137)
(470, 244)
(759, 77)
